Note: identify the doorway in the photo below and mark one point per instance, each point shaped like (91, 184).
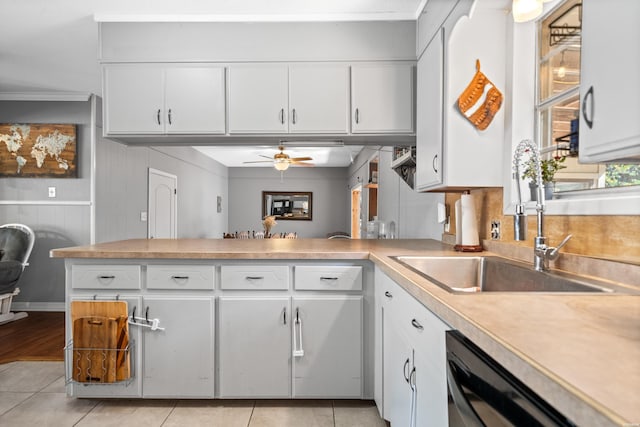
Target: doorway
(356, 204)
(162, 199)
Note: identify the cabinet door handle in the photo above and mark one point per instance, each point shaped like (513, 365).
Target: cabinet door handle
(293, 116)
(416, 324)
(158, 116)
(105, 277)
(180, 277)
(282, 116)
(590, 96)
(412, 379)
(284, 316)
(328, 278)
(357, 116)
(254, 277)
(169, 116)
(388, 294)
(435, 163)
(405, 370)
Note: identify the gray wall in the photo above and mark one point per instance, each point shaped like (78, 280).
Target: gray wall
(121, 190)
(59, 222)
(330, 199)
(415, 214)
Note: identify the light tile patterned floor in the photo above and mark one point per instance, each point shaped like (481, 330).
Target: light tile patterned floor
(33, 394)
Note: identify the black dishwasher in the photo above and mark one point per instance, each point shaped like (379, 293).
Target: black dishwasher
(484, 394)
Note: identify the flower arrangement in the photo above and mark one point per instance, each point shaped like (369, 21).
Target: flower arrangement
(549, 168)
(268, 223)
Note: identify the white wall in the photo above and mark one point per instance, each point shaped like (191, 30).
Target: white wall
(330, 199)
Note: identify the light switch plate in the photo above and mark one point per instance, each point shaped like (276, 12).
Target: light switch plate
(52, 191)
(143, 216)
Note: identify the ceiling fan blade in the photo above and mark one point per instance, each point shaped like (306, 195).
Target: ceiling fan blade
(260, 161)
(300, 159)
(266, 157)
(303, 164)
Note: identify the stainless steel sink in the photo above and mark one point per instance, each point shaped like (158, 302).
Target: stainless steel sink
(495, 274)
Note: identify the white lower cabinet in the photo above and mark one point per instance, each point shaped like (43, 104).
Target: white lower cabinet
(327, 337)
(178, 361)
(412, 358)
(255, 347)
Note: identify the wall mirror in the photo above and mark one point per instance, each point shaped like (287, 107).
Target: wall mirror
(287, 205)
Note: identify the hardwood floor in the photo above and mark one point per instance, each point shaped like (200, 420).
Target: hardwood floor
(39, 336)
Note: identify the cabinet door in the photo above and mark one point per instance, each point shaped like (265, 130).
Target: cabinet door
(255, 347)
(179, 360)
(429, 136)
(329, 332)
(382, 98)
(258, 99)
(133, 99)
(398, 361)
(319, 98)
(194, 100)
(609, 84)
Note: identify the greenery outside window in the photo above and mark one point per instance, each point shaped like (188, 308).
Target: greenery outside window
(558, 104)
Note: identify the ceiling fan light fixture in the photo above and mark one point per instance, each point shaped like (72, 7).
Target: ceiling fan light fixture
(281, 164)
(526, 10)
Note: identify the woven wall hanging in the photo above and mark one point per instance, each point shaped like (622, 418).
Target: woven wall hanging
(480, 101)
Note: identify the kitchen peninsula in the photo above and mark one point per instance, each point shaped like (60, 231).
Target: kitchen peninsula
(578, 352)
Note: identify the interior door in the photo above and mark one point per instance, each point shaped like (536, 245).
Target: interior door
(162, 205)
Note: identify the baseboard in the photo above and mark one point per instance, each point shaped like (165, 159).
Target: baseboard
(37, 306)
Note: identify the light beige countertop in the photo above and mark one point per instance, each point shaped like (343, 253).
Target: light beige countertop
(579, 352)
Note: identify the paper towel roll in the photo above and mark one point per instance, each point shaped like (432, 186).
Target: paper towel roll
(469, 229)
(458, 210)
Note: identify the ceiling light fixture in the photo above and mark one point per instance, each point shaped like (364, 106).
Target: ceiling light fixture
(562, 70)
(281, 164)
(526, 10)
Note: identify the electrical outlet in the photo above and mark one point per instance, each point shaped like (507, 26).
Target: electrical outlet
(52, 191)
(495, 229)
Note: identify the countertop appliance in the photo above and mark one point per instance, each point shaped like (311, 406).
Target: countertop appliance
(483, 393)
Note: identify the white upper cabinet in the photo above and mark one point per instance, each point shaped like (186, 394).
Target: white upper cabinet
(305, 98)
(609, 86)
(318, 98)
(429, 112)
(258, 98)
(452, 154)
(159, 99)
(382, 98)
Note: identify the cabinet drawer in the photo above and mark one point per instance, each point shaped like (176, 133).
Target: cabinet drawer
(105, 276)
(180, 277)
(249, 277)
(328, 278)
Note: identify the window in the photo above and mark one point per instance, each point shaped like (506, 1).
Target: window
(558, 104)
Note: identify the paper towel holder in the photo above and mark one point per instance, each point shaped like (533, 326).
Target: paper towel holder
(467, 248)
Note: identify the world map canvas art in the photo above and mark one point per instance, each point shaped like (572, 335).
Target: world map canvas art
(38, 150)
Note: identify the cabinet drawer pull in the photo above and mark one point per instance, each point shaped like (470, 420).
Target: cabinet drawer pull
(158, 116)
(588, 95)
(328, 278)
(388, 294)
(416, 325)
(105, 277)
(254, 277)
(180, 277)
(405, 370)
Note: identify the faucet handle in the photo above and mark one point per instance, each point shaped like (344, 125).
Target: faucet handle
(555, 252)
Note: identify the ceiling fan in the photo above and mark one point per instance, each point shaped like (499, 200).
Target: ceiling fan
(282, 161)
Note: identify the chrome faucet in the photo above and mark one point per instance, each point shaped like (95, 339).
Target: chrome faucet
(542, 253)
